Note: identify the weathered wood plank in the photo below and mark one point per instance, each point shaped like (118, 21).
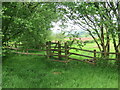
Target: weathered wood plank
(81, 55)
(66, 50)
(59, 50)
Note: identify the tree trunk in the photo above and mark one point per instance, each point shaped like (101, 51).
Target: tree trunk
(118, 57)
(102, 42)
(108, 44)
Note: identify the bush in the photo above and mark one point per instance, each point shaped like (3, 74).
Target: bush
(102, 62)
(5, 52)
(89, 41)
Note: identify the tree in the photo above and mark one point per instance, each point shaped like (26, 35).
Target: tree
(27, 23)
(98, 18)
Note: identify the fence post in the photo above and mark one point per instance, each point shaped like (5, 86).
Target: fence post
(66, 51)
(49, 48)
(15, 45)
(59, 50)
(27, 51)
(94, 56)
(47, 51)
(118, 58)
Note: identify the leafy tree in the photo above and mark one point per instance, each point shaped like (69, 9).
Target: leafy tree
(27, 23)
(98, 18)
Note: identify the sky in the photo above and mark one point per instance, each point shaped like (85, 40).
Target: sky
(71, 26)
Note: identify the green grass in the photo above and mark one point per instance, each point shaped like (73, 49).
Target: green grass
(92, 47)
(25, 71)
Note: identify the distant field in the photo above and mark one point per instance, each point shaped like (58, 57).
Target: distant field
(90, 44)
(83, 38)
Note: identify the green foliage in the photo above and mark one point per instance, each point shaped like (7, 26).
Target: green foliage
(99, 19)
(28, 23)
(102, 62)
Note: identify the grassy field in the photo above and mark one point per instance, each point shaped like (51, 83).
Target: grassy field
(21, 71)
(92, 47)
(26, 71)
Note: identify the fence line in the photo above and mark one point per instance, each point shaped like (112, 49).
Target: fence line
(62, 49)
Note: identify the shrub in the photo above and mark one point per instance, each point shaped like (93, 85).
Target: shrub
(89, 41)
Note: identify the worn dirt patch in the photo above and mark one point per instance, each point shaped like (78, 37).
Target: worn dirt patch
(56, 72)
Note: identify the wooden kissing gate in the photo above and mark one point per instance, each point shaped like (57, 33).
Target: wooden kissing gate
(66, 50)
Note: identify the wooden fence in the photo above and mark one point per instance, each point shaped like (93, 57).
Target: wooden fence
(64, 48)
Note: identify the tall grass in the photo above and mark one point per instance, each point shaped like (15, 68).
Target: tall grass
(22, 71)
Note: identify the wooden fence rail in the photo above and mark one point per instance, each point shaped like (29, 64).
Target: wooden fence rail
(62, 49)
(82, 55)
